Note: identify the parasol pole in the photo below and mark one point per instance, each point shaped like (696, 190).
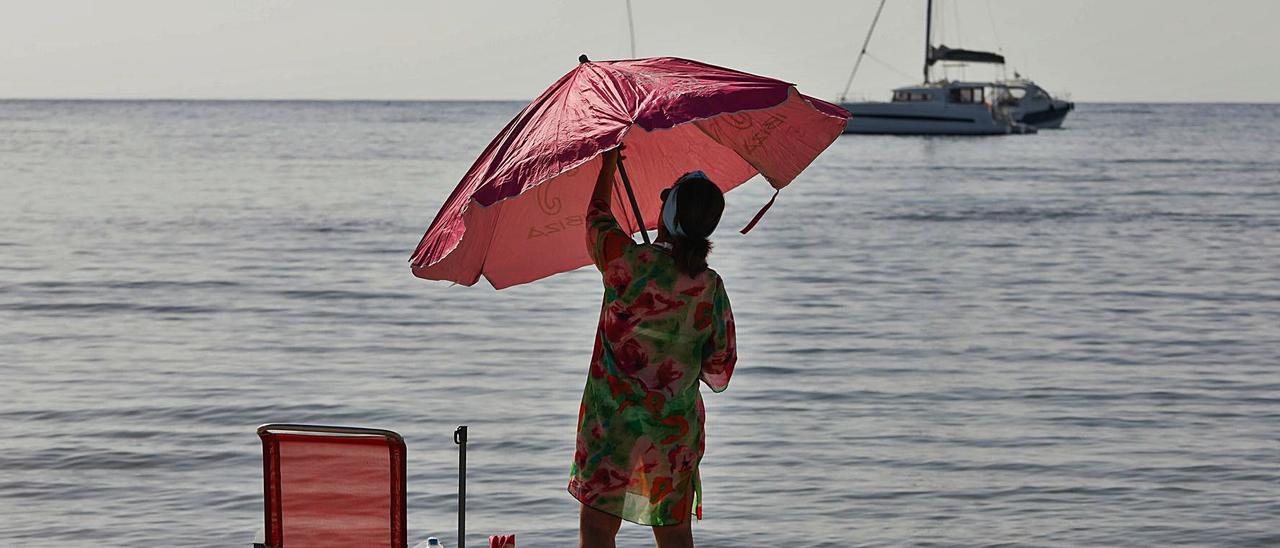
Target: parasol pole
(626, 181)
(631, 195)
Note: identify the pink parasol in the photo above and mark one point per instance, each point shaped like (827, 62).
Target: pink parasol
(518, 213)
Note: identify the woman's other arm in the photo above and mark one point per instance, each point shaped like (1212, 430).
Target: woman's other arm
(722, 353)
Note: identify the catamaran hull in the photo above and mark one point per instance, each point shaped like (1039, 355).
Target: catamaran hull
(1049, 118)
(908, 119)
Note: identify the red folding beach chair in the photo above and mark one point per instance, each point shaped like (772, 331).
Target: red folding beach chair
(333, 486)
(340, 486)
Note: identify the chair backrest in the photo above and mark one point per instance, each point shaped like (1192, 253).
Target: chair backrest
(333, 486)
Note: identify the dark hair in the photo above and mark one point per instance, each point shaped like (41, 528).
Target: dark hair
(698, 211)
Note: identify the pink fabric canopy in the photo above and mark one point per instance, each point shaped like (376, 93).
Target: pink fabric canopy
(518, 213)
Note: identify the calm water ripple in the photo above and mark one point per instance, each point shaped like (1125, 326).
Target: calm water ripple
(1065, 339)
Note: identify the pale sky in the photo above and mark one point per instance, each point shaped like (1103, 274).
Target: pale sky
(1094, 50)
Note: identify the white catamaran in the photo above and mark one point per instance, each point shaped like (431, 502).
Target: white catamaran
(952, 107)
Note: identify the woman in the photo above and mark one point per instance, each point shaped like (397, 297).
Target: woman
(664, 325)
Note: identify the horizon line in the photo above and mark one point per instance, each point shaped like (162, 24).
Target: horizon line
(492, 100)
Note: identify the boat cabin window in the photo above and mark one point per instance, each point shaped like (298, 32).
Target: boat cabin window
(966, 95)
(909, 96)
(1007, 96)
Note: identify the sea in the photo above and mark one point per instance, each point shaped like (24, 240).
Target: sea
(1063, 339)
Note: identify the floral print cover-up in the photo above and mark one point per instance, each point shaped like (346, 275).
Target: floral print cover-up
(640, 427)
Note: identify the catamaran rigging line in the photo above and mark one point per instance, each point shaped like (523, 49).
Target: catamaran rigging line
(632, 27)
(931, 55)
(863, 53)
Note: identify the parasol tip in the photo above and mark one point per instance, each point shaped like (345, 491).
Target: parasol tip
(583, 58)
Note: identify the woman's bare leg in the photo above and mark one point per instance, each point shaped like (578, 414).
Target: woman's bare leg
(674, 536)
(597, 529)
(677, 536)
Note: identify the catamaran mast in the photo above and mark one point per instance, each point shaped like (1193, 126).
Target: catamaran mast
(928, 36)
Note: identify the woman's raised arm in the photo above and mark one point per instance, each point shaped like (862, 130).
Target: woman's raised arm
(604, 182)
(605, 239)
